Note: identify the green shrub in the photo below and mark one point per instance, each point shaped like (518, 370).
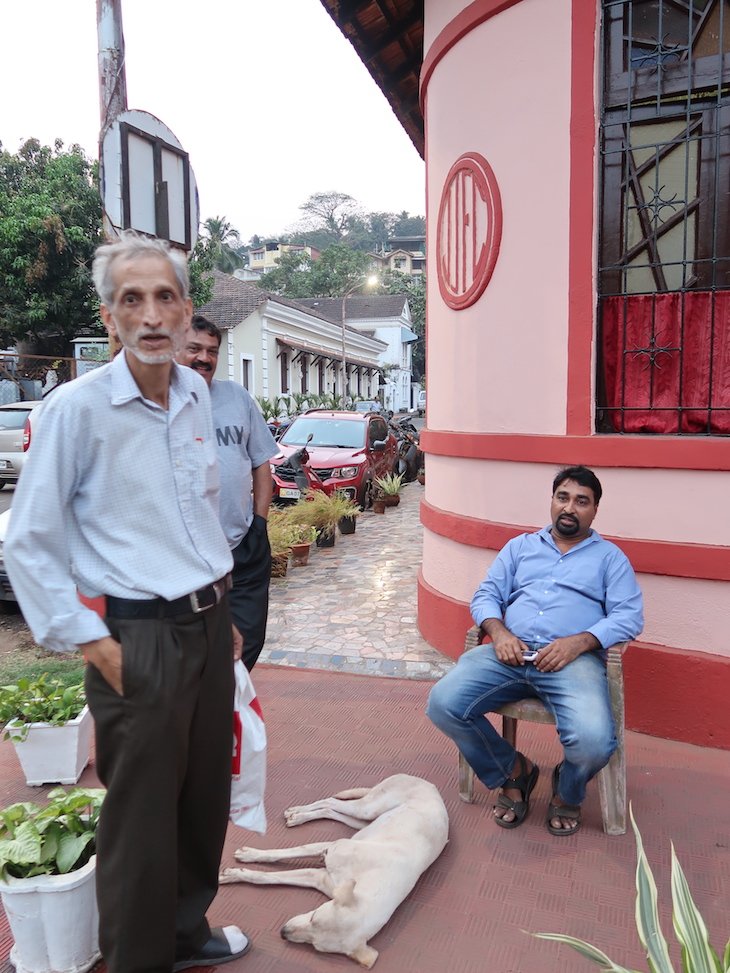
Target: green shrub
(40, 700)
(57, 838)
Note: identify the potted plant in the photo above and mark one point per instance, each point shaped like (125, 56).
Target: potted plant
(322, 511)
(303, 536)
(390, 485)
(378, 498)
(349, 512)
(47, 881)
(50, 726)
(279, 529)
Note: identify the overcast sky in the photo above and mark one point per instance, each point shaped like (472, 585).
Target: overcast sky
(267, 97)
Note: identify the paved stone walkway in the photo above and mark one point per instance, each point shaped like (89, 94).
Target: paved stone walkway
(353, 607)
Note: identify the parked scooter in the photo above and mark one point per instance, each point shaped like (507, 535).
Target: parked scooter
(293, 476)
(277, 427)
(410, 457)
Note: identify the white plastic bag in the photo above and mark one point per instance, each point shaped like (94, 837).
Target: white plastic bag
(249, 755)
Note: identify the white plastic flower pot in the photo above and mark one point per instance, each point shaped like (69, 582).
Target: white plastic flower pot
(54, 921)
(53, 754)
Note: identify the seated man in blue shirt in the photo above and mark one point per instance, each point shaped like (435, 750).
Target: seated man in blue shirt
(552, 603)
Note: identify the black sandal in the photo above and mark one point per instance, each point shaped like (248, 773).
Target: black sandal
(569, 811)
(525, 784)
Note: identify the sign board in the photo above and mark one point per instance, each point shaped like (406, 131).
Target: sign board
(147, 183)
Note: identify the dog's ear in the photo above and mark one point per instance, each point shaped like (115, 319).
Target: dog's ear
(364, 955)
(344, 894)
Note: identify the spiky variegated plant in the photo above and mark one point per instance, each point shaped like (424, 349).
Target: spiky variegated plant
(698, 956)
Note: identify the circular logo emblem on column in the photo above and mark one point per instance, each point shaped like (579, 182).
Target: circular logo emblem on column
(469, 230)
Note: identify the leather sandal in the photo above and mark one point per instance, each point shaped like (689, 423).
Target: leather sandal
(525, 784)
(569, 811)
(225, 945)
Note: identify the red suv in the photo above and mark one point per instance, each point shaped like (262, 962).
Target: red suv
(347, 451)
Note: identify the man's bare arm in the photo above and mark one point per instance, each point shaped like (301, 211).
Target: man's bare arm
(262, 489)
(106, 655)
(559, 653)
(507, 647)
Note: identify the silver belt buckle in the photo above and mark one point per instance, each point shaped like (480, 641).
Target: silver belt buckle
(219, 588)
(195, 604)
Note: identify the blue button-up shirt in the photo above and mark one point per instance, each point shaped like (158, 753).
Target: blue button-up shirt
(118, 496)
(542, 593)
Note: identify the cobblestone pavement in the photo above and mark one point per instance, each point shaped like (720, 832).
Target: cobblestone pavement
(353, 607)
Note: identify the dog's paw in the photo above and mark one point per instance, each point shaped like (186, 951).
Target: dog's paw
(228, 876)
(293, 816)
(246, 854)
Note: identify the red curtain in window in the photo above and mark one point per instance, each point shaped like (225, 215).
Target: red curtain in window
(663, 353)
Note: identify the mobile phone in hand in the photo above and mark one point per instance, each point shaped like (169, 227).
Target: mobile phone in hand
(530, 655)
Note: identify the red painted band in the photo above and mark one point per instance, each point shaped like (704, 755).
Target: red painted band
(632, 452)
(581, 300)
(675, 560)
(469, 18)
(671, 693)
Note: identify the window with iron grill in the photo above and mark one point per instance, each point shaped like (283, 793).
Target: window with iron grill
(664, 254)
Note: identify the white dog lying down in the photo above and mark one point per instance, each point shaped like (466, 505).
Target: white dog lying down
(404, 829)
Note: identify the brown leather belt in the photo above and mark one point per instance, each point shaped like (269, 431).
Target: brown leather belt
(196, 602)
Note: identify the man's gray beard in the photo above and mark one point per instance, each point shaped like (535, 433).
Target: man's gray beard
(160, 358)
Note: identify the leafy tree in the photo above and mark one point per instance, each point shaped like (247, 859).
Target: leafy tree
(297, 275)
(200, 265)
(224, 244)
(50, 225)
(407, 225)
(331, 212)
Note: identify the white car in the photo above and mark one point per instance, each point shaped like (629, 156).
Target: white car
(421, 402)
(15, 437)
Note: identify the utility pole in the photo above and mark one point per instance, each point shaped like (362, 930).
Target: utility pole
(112, 92)
(112, 73)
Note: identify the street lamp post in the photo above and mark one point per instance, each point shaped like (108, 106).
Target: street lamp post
(371, 280)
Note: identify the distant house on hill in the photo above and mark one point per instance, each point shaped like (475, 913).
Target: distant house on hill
(265, 258)
(404, 254)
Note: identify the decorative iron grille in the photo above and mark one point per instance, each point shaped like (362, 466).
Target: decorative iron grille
(664, 252)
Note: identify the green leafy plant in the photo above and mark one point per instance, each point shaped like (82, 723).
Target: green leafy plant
(282, 532)
(303, 533)
(698, 956)
(57, 838)
(300, 400)
(390, 484)
(268, 408)
(322, 511)
(40, 700)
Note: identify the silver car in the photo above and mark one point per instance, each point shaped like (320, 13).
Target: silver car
(15, 436)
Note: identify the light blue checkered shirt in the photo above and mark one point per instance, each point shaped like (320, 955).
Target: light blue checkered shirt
(117, 497)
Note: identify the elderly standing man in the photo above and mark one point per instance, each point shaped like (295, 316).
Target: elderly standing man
(245, 447)
(552, 604)
(119, 499)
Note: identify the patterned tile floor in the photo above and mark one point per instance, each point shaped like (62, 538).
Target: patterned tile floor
(353, 607)
(351, 614)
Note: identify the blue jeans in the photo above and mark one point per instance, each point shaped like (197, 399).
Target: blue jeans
(577, 696)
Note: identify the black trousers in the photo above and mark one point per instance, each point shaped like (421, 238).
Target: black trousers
(249, 597)
(163, 751)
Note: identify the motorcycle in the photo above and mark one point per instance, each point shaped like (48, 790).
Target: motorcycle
(277, 427)
(410, 457)
(293, 476)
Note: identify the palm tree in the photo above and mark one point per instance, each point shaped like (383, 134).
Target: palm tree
(224, 243)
